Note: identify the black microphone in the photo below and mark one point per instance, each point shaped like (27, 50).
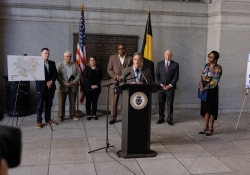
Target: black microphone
(144, 78)
(126, 75)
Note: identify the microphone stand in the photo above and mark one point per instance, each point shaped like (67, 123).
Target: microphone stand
(107, 146)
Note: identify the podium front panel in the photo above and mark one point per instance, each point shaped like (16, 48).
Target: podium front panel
(136, 119)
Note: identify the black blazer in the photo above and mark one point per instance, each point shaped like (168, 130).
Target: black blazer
(41, 86)
(87, 77)
(167, 78)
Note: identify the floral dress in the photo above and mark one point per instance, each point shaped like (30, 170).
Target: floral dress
(210, 78)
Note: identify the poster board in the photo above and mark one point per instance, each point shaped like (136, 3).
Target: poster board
(248, 73)
(25, 68)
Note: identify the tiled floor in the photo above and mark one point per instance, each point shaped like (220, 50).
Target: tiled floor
(181, 151)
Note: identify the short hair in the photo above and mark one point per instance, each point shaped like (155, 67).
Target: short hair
(216, 55)
(67, 52)
(138, 53)
(122, 45)
(44, 49)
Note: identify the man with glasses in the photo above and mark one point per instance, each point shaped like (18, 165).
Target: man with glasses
(115, 66)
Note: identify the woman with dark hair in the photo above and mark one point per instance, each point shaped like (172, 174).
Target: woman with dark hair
(92, 84)
(210, 78)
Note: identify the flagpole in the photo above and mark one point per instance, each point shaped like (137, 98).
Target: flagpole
(79, 113)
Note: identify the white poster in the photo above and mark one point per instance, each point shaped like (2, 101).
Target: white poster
(248, 73)
(25, 68)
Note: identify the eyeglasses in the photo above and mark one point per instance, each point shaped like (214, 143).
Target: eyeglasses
(121, 48)
(210, 57)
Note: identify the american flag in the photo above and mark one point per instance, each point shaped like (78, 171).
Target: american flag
(81, 52)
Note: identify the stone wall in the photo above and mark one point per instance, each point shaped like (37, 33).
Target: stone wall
(190, 29)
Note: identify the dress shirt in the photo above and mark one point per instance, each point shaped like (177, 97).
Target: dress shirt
(138, 75)
(46, 65)
(69, 70)
(122, 59)
(167, 62)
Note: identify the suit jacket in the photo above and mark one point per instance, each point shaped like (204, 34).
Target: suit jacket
(115, 67)
(87, 77)
(167, 78)
(62, 77)
(146, 72)
(41, 86)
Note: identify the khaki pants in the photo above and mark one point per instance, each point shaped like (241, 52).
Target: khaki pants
(62, 100)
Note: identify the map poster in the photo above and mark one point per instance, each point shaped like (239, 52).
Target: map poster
(25, 68)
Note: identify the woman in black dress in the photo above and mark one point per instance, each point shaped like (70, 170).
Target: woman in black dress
(92, 84)
(210, 78)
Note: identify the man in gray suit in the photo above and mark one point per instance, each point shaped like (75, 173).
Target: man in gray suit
(67, 84)
(115, 66)
(142, 74)
(167, 75)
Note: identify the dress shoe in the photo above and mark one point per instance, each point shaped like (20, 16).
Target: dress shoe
(112, 120)
(95, 118)
(160, 121)
(51, 122)
(170, 123)
(39, 125)
(89, 117)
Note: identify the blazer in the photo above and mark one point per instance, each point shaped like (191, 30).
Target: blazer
(167, 78)
(62, 77)
(115, 67)
(146, 72)
(41, 86)
(87, 77)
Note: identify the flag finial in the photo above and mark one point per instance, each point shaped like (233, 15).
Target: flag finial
(148, 9)
(82, 5)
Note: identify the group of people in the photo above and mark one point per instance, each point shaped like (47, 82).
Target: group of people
(119, 66)
(64, 77)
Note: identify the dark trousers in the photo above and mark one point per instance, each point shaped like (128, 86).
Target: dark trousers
(92, 99)
(164, 96)
(48, 101)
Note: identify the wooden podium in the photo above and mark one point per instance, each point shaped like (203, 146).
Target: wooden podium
(136, 120)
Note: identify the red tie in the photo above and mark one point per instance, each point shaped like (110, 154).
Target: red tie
(167, 67)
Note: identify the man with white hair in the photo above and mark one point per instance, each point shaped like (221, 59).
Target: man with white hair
(67, 84)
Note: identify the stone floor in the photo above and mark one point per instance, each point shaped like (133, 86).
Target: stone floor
(181, 151)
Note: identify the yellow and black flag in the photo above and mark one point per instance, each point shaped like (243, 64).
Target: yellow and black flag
(147, 50)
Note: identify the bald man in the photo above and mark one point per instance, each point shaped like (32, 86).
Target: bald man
(167, 75)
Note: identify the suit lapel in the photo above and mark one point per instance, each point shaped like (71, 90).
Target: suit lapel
(170, 66)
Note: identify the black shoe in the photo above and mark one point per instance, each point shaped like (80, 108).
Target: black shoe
(160, 121)
(94, 117)
(170, 123)
(89, 117)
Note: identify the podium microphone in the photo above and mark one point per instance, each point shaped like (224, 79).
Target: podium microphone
(126, 75)
(144, 78)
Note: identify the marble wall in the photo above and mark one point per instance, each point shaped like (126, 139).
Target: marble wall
(190, 29)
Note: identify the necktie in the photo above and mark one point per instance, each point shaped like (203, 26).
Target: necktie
(167, 67)
(137, 75)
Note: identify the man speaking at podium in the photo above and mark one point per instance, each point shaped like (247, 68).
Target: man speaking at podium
(137, 74)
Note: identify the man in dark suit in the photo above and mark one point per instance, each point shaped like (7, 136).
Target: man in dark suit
(115, 66)
(45, 90)
(142, 74)
(167, 75)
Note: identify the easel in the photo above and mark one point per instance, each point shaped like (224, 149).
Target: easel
(247, 86)
(242, 109)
